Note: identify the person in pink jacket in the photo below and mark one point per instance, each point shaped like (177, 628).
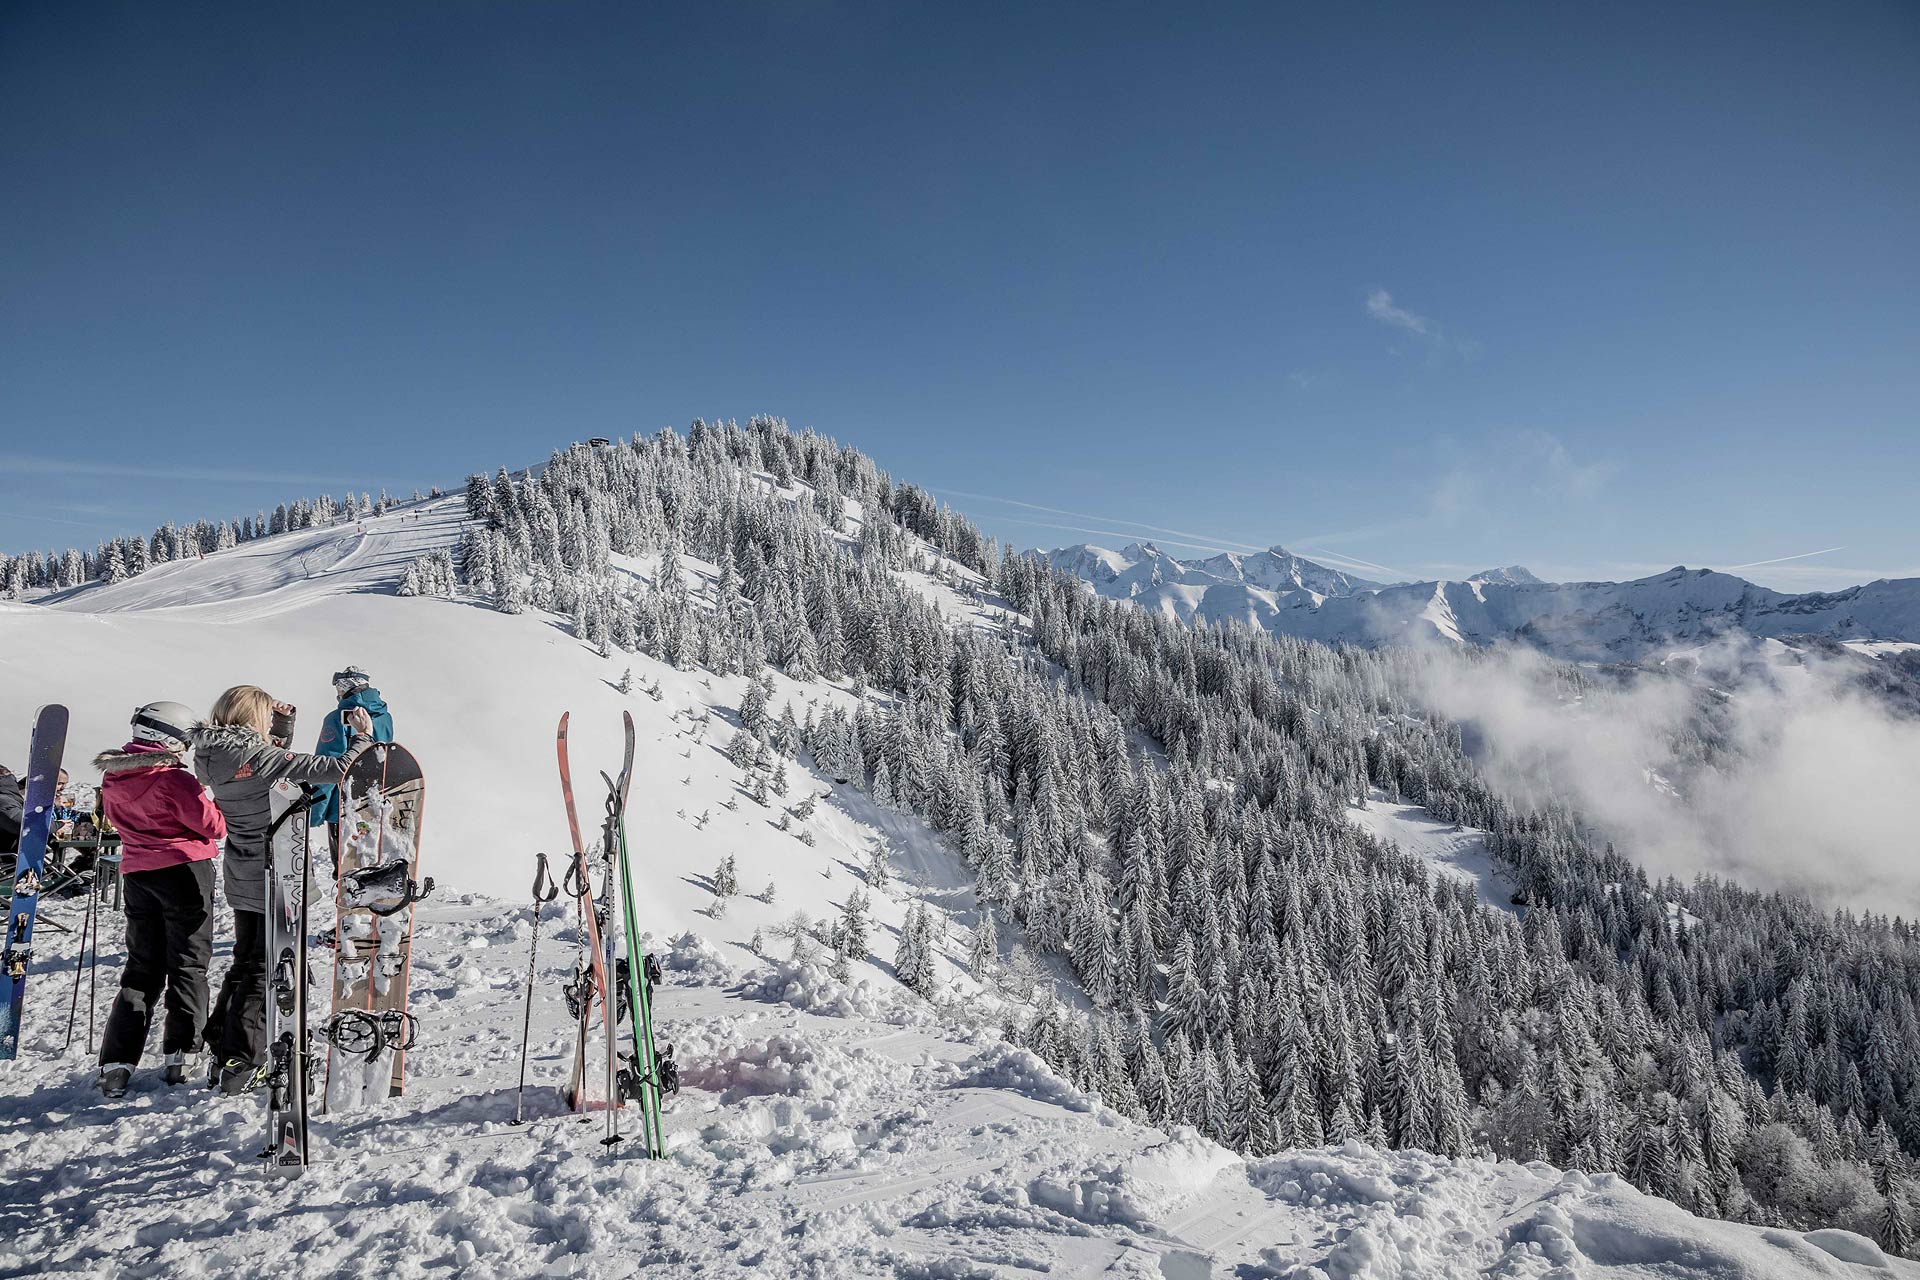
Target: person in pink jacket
(170, 832)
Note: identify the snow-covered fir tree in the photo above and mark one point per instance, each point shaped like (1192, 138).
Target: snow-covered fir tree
(1163, 810)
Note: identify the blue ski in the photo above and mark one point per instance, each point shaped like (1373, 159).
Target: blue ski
(43, 774)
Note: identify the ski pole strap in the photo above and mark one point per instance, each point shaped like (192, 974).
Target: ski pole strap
(577, 884)
(544, 889)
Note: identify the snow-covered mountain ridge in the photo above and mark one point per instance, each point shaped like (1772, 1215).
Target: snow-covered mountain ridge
(1581, 621)
(1303, 987)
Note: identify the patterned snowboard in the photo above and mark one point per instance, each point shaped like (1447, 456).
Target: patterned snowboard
(382, 801)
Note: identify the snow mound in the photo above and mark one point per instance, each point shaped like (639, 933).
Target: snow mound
(1848, 1247)
(1408, 1213)
(1005, 1066)
(1141, 1190)
(693, 961)
(809, 988)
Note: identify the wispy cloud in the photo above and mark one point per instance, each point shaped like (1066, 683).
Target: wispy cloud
(28, 518)
(200, 475)
(1382, 308)
(1530, 460)
(1455, 493)
(1557, 471)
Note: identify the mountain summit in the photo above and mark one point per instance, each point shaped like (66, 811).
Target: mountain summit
(1227, 587)
(1589, 621)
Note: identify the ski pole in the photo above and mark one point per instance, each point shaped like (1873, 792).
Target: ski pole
(544, 891)
(93, 962)
(614, 1100)
(79, 963)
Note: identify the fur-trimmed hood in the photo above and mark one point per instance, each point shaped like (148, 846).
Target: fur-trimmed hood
(164, 815)
(139, 755)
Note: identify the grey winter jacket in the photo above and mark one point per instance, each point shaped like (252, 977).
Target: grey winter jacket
(241, 767)
(11, 810)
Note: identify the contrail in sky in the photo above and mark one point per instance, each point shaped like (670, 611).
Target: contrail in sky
(1110, 533)
(1205, 541)
(1365, 564)
(1755, 564)
(207, 475)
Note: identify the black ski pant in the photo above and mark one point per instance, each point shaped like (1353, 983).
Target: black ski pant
(169, 942)
(239, 1022)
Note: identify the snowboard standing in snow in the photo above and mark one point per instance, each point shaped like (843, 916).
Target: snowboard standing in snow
(289, 888)
(382, 800)
(641, 1078)
(42, 779)
(590, 979)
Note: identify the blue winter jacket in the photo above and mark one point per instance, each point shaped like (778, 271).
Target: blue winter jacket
(333, 742)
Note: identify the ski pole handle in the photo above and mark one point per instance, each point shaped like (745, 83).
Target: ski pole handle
(577, 883)
(544, 889)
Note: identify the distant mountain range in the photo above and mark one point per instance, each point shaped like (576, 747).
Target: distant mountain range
(1584, 621)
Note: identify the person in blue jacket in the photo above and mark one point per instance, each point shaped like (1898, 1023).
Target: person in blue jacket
(354, 690)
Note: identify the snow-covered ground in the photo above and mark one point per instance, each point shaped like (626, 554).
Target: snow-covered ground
(1882, 648)
(824, 1129)
(1448, 848)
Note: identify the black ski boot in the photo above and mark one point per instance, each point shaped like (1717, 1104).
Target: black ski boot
(114, 1081)
(237, 1076)
(176, 1068)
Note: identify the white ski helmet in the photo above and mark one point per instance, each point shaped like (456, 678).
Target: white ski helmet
(168, 723)
(350, 680)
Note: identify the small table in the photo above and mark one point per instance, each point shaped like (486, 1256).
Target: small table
(106, 861)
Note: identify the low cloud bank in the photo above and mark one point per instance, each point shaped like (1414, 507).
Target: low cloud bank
(1773, 772)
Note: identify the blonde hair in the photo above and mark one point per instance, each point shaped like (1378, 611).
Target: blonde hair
(244, 704)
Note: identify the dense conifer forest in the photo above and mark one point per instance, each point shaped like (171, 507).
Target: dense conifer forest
(1163, 813)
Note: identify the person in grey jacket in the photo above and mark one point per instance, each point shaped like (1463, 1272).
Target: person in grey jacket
(11, 811)
(239, 753)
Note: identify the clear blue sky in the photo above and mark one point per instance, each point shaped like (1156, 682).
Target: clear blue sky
(1600, 288)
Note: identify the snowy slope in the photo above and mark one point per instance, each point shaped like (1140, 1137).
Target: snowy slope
(1448, 848)
(476, 694)
(1600, 621)
(824, 1129)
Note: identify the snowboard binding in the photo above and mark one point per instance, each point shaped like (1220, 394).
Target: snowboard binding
(384, 890)
(370, 1034)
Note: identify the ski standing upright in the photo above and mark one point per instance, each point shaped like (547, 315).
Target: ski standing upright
(289, 1061)
(616, 798)
(648, 1073)
(42, 780)
(590, 978)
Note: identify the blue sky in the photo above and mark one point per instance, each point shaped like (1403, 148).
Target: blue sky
(1600, 289)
